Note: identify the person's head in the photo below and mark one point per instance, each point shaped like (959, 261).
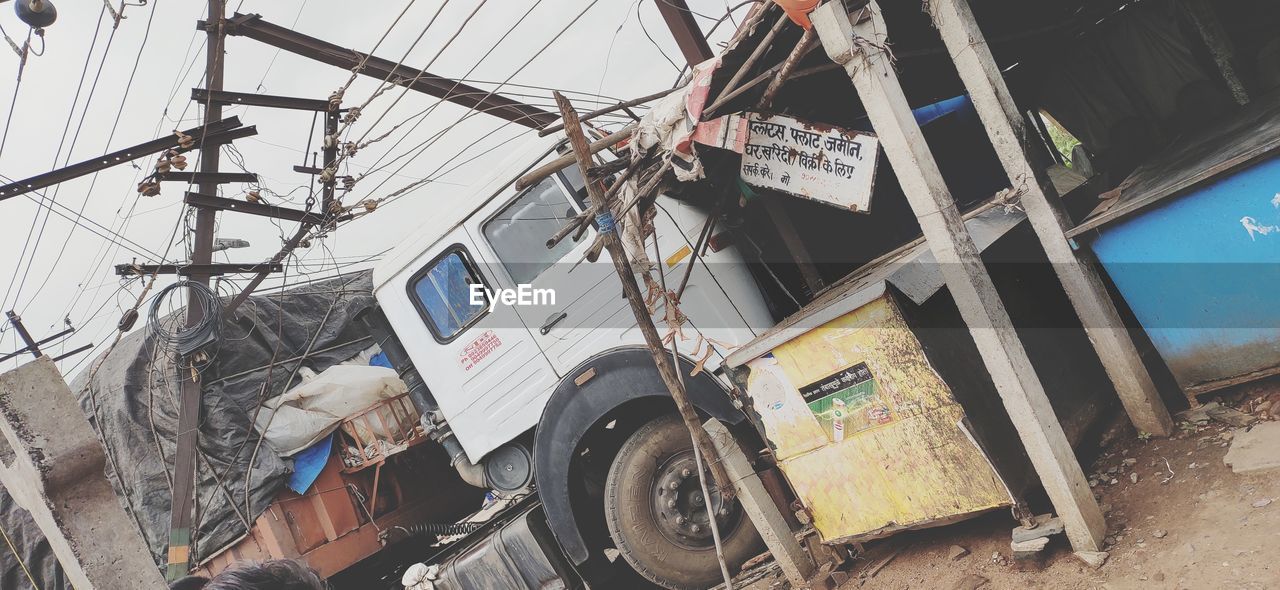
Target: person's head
(279, 574)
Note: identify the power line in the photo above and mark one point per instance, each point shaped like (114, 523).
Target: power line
(146, 36)
(88, 58)
(90, 225)
(272, 63)
(104, 251)
(422, 147)
(354, 113)
(421, 116)
(17, 87)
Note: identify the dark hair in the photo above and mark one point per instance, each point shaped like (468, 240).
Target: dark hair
(279, 574)
(189, 583)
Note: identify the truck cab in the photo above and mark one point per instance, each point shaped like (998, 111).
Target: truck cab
(525, 358)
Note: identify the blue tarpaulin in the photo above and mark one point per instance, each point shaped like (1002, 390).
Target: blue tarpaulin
(308, 464)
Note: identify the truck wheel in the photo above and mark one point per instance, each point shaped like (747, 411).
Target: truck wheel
(657, 515)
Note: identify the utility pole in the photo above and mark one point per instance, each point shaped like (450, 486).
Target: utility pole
(184, 468)
(693, 45)
(33, 345)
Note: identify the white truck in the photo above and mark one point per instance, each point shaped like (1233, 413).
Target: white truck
(528, 368)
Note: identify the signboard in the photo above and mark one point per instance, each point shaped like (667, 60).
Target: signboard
(846, 402)
(817, 162)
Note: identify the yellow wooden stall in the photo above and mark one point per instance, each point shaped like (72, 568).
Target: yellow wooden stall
(865, 430)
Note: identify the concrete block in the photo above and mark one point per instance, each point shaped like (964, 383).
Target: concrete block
(796, 564)
(1046, 525)
(1254, 449)
(53, 466)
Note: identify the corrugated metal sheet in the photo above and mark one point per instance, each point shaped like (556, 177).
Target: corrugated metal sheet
(1201, 157)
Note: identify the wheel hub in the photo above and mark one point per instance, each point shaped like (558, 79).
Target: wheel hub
(681, 508)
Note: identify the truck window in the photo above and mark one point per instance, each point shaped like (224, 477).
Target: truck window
(519, 233)
(573, 178)
(443, 293)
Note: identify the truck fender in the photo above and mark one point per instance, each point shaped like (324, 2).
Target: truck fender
(620, 375)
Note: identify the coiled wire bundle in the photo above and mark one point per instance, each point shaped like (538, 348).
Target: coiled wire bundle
(186, 339)
(424, 529)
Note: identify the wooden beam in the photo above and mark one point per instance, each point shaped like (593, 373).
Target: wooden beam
(1079, 275)
(536, 175)
(1219, 45)
(689, 38)
(253, 27)
(194, 269)
(221, 204)
(223, 97)
(631, 290)
(115, 158)
(207, 178)
(860, 49)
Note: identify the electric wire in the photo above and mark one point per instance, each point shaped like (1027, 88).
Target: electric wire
(22, 564)
(88, 224)
(186, 338)
(105, 252)
(94, 180)
(360, 143)
(31, 231)
(17, 87)
(422, 147)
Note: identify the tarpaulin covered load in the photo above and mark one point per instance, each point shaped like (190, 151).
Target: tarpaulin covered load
(132, 404)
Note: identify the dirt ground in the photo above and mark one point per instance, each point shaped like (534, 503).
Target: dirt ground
(1188, 522)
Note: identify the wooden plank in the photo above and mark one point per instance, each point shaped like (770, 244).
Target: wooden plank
(870, 68)
(1078, 273)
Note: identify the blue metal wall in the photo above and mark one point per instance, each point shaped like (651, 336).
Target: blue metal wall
(1201, 272)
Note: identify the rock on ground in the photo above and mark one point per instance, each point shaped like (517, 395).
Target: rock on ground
(1254, 449)
(1093, 559)
(970, 582)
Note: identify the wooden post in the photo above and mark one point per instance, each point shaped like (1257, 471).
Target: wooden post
(1079, 276)
(1219, 45)
(795, 245)
(861, 50)
(631, 289)
(183, 501)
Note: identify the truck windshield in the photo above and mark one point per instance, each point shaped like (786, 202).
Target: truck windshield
(519, 233)
(444, 291)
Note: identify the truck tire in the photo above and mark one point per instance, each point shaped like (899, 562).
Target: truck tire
(657, 516)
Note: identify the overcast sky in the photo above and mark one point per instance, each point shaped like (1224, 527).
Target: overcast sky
(69, 271)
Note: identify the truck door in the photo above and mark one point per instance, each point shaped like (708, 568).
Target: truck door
(570, 298)
(483, 365)
(589, 313)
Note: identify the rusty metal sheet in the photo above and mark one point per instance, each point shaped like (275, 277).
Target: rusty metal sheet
(865, 430)
(819, 162)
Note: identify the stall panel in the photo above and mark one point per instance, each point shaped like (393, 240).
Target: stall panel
(1201, 272)
(865, 430)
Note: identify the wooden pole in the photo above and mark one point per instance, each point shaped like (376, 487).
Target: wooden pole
(861, 50)
(1219, 45)
(631, 290)
(1079, 276)
(624, 105)
(536, 175)
(182, 504)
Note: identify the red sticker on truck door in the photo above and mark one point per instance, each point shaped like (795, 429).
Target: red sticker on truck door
(476, 350)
